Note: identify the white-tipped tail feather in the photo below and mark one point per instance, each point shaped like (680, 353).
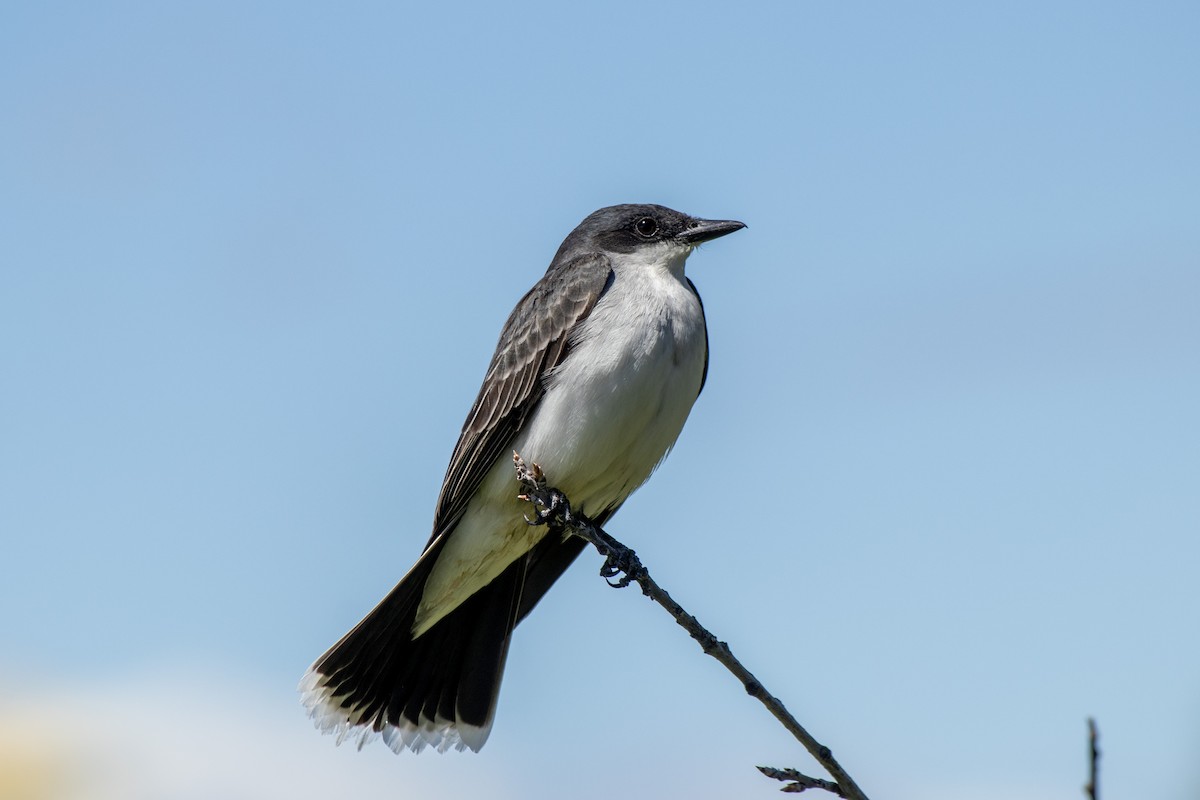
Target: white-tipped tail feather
(347, 724)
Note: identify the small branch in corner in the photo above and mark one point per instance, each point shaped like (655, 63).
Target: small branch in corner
(1092, 790)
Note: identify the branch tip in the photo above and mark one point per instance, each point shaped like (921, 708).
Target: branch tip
(796, 781)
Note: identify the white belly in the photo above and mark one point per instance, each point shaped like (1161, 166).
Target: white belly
(611, 412)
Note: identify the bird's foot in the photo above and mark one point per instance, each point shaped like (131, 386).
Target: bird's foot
(551, 507)
(618, 560)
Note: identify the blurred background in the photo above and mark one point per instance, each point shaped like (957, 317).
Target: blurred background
(941, 492)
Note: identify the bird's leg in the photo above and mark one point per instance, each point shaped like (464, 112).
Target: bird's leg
(618, 560)
(552, 508)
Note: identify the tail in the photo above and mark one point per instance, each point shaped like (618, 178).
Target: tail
(440, 689)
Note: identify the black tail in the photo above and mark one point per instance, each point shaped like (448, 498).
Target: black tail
(439, 689)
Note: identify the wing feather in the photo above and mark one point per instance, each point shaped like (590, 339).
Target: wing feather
(535, 339)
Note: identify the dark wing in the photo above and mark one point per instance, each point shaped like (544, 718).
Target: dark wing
(535, 339)
(703, 375)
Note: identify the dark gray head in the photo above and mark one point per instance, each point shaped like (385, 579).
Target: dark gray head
(634, 228)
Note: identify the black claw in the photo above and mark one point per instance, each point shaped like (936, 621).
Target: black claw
(554, 506)
(619, 560)
(620, 583)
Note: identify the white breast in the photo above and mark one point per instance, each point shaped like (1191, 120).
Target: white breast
(615, 407)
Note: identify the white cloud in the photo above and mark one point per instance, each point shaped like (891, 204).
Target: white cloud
(179, 736)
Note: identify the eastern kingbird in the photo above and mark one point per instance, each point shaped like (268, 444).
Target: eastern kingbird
(594, 375)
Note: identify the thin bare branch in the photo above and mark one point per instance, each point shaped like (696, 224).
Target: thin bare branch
(798, 782)
(551, 507)
(1092, 790)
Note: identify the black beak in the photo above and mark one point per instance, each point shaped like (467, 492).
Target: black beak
(703, 230)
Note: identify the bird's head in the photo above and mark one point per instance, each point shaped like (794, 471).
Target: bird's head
(644, 231)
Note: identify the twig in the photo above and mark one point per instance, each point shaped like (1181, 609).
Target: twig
(553, 508)
(1092, 790)
(798, 782)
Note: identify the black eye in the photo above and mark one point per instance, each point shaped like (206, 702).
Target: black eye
(646, 226)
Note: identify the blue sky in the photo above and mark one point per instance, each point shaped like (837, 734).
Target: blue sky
(941, 491)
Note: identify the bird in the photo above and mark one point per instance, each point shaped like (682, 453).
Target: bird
(594, 375)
